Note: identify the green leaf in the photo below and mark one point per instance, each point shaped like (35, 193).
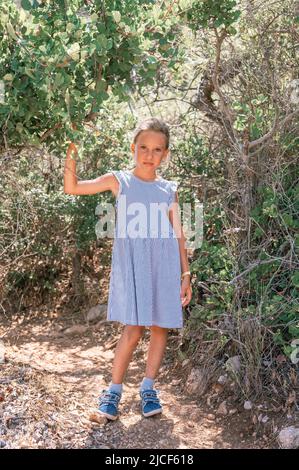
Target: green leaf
(94, 17)
(11, 31)
(29, 4)
(101, 85)
(116, 16)
(101, 42)
(288, 220)
(8, 77)
(258, 232)
(26, 4)
(184, 4)
(70, 27)
(19, 127)
(231, 30)
(74, 50)
(59, 79)
(109, 43)
(295, 279)
(28, 72)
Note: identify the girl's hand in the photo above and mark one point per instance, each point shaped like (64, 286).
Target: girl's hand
(72, 148)
(186, 291)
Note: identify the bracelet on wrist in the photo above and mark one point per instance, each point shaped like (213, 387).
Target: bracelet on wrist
(185, 273)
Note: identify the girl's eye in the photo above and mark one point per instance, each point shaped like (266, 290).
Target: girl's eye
(156, 150)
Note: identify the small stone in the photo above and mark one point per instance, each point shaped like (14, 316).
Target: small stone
(262, 418)
(218, 388)
(281, 358)
(76, 330)
(2, 444)
(196, 382)
(211, 417)
(185, 362)
(96, 312)
(248, 405)
(233, 411)
(233, 364)
(222, 409)
(267, 363)
(222, 379)
(289, 438)
(190, 424)
(176, 381)
(97, 418)
(196, 415)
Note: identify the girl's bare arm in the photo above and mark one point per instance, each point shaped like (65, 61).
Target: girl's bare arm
(106, 182)
(174, 218)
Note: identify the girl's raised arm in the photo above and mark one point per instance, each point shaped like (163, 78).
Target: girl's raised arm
(106, 182)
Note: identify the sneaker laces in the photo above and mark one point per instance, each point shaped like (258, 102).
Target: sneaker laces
(108, 397)
(151, 395)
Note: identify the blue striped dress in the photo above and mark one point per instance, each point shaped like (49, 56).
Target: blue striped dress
(145, 278)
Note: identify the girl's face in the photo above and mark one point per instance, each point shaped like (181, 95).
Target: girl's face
(150, 149)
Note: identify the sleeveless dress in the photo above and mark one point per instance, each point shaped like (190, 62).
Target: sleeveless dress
(145, 278)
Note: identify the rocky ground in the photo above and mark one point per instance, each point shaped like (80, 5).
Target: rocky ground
(53, 372)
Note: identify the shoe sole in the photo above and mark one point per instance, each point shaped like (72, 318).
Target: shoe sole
(151, 413)
(106, 415)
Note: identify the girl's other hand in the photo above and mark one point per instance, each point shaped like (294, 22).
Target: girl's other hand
(72, 149)
(186, 291)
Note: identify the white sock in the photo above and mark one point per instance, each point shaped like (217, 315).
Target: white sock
(146, 383)
(118, 388)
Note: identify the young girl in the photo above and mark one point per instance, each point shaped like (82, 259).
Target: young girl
(150, 277)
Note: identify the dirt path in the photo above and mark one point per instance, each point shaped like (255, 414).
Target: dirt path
(50, 384)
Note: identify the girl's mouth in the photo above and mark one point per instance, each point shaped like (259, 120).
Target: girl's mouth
(148, 163)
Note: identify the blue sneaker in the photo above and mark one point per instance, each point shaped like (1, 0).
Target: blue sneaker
(108, 404)
(150, 403)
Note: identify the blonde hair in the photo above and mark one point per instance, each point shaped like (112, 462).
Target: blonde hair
(152, 124)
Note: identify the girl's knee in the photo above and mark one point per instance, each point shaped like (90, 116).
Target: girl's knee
(134, 332)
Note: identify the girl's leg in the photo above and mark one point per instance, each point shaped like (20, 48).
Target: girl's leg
(124, 350)
(156, 351)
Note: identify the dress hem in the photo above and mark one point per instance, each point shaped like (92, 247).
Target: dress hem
(147, 324)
